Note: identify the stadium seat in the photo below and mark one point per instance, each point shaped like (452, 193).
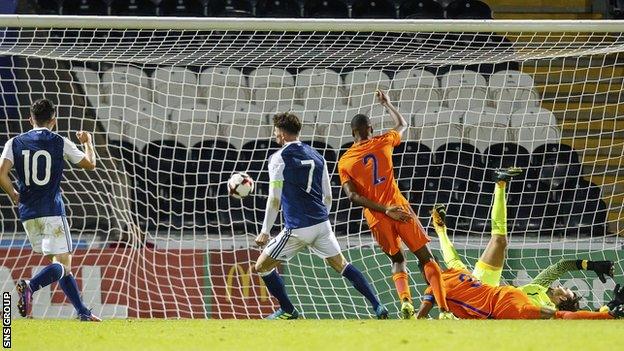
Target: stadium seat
(270, 86)
(241, 123)
(424, 199)
(421, 9)
(512, 90)
(484, 136)
(325, 9)
(175, 87)
(125, 86)
(373, 9)
(533, 137)
(134, 8)
(111, 118)
(463, 157)
(90, 82)
(278, 8)
(468, 9)
(333, 126)
(253, 159)
(362, 84)
(166, 167)
(505, 155)
(320, 89)
(556, 165)
(415, 89)
(222, 86)
(186, 8)
(487, 116)
(582, 211)
(193, 126)
(48, 7)
(464, 90)
(231, 8)
(411, 162)
(147, 124)
(84, 7)
(532, 116)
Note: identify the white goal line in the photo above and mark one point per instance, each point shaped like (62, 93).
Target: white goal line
(309, 24)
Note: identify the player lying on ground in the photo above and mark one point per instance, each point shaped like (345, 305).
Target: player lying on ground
(367, 177)
(477, 294)
(299, 182)
(39, 158)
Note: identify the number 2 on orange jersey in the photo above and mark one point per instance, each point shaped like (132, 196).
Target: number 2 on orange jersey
(376, 180)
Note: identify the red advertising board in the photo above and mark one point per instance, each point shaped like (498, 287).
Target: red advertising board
(151, 283)
(238, 292)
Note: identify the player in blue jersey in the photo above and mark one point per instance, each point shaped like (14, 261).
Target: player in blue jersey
(299, 182)
(38, 157)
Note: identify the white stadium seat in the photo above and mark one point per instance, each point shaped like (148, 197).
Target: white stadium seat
(533, 116)
(464, 90)
(511, 90)
(126, 86)
(532, 137)
(111, 117)
(148, 123)
(241, 123)
(270, 86)
(193, 126)
(414, 89)
(320, 88)
(488, 116)
(175, 87)
(90, 81)
(222, 86)
(362, 84)
(483, 136)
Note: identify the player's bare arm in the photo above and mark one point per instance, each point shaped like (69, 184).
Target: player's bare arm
(5, 180)
(393, 211)
(400, 124)
(89, 161)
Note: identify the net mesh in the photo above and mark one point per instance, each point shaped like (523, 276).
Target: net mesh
(174, 113)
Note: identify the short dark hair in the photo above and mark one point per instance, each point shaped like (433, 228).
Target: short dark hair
(360, 121)
(42, 110)
(288, 122)
(571, 305)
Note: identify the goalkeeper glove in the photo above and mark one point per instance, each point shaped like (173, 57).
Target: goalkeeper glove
(618, 297)
(601, 268)
(617, 312)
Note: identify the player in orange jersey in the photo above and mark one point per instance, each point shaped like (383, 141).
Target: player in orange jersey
(367, 177)
(468, 298)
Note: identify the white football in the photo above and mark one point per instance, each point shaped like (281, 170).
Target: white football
(240, 185)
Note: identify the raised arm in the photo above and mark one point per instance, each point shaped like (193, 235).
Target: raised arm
(395, 212)
(6, 163)
(400, 124)
(85, 160)
(555, 271)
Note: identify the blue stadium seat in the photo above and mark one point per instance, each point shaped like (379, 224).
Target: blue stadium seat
(186, 8)
(557, 165)
(49, 7)
(165, 167)
(373, 9)
(468, 9)
(464, 156)
(420, 9)
(134, 8)
(86, 7)
(231, 8)
(278, 8)
(325, 9)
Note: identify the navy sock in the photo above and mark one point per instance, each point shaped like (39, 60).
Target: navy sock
(70, 288)
(275, 285)
(360, 284)
(47, 276)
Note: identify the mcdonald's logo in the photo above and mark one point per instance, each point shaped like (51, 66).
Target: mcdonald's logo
(237, 271)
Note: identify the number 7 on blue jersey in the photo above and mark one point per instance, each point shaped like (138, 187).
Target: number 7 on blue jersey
(376, 180)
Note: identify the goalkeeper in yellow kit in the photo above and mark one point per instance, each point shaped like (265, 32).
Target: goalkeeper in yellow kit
(490, 265)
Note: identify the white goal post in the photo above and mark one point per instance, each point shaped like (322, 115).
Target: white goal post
(178, 104)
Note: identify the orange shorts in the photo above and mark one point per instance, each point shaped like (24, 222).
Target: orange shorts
(389, 233)
(514, 304)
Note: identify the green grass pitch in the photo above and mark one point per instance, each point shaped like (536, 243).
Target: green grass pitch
(317, 335)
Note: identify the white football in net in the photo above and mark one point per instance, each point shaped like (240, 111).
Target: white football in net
(240, 185)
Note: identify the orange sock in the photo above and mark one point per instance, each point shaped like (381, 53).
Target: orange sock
(434, 277)
(402, 286)
(582, 315)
